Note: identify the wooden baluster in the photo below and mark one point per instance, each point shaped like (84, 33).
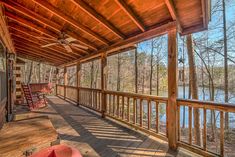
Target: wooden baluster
(134, 111)
(98, 100)
(221, 133)
(157, 117)
(109, 105)
(118, 106)
(81, 97)
(89, 98)
(114, 105)
(178, 122)
(190, 125)
(100, 106)
(204, 129)
(65, 81)
(149, 114)
(95, 99)
(85, 97)
(128, 109)
(123, 107)
(78, 81)
(92, 99)
(141, 112)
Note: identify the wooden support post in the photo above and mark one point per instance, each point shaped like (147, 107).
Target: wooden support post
(57, 80)
(65, 81)
(78, 80)
(172, 89)
(103, 83)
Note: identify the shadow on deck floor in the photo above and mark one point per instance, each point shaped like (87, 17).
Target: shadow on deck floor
(94, 136)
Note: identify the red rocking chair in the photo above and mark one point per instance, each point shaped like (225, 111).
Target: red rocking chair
(34, 101)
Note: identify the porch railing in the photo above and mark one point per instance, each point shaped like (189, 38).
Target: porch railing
(211, 116)
(149, 114)
(91, 98)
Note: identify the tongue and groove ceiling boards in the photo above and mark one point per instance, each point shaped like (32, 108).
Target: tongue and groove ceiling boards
(97, 25)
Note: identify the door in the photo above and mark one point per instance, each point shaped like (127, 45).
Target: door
(3, 84)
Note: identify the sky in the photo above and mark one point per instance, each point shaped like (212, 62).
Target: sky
(213, 34)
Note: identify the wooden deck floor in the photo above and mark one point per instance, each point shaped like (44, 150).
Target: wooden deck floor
(94, 136)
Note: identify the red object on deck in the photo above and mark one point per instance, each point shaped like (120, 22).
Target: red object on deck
(45, 88)
(58, 151)
(33, 101)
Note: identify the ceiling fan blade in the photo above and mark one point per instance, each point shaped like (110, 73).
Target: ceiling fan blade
(79, 46)
(68, 48)
(70, 39)
(51, 44)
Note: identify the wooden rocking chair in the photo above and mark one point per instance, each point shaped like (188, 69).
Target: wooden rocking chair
(34, 101)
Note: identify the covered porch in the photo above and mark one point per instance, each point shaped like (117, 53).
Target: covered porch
(99, 121)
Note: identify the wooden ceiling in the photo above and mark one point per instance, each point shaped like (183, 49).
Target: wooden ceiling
(101, 25)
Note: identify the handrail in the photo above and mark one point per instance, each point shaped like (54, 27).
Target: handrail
(130, 94)
(226, 107)
(136, 95)
(85, 88)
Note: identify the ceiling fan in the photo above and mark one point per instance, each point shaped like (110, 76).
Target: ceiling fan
(65, 41)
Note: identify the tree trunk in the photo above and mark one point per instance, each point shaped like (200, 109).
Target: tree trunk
(91, 74)
(225, 64)
(30, 73)
(183, 78)
(50, 78)
(143, 79)
(151, 69)
(118, 72)
(193, 78)
(158, 71)
(39, 72)
(136, 71)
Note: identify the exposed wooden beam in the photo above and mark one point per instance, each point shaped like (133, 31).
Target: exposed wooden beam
(33, 57)
(131, 14)
(171, 7)
(28, 33)
(26, 44)
(56, 27)
(194, 29)
(70, 20)
(36, 46)
(29, 13)
(93, 13)
(31, 25)
(36, 52)
(157, 31)
(36, 58)
(4, 33)
(205, 12)
(38, 42)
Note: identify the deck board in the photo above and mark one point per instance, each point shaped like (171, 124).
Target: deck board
(98, 137)
(20, 136)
